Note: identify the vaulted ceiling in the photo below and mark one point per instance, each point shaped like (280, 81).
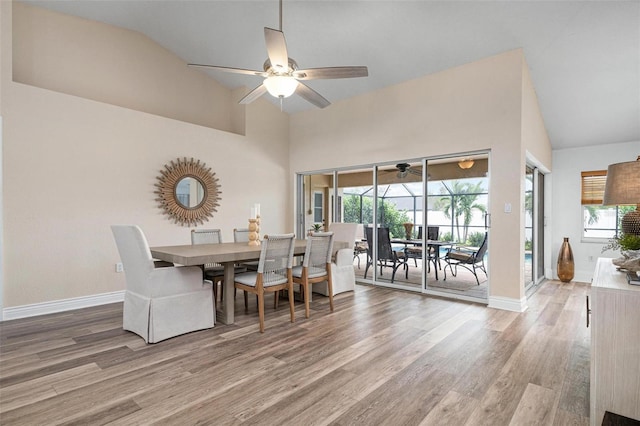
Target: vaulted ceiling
(584, 56)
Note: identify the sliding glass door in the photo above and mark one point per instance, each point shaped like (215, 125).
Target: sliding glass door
(404, 237)
(534, 227)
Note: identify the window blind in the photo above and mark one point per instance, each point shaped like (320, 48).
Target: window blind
(593, 184)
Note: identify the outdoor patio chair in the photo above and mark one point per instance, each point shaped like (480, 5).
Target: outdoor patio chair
(433, 255)
(467, 258)
(387, 257)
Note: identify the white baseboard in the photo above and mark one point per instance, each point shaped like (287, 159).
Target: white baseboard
(61, 305)
(508, 304)
(583, 276)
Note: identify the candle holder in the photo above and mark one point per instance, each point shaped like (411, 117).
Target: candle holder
(253, 234)
(258, 228)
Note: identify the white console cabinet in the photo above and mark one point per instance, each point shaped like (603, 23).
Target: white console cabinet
(615, 344)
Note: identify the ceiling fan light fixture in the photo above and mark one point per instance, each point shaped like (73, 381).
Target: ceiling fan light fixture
(281, 86)
(466, 163)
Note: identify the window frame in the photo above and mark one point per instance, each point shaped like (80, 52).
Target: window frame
(592, 185)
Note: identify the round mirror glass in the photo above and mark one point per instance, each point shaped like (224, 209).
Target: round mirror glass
(189, 192)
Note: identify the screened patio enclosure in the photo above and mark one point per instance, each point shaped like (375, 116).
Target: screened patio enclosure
(384, 196)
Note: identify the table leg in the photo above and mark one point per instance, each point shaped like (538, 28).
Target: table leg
(227, 314)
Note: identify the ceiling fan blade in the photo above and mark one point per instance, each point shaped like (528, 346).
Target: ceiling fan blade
(229, 69)
(331, 72)
(253, 95)
(312, 96)
(276, 49)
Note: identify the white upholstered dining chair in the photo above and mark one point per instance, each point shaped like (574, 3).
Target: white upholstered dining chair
(343, 275)
(160, 303)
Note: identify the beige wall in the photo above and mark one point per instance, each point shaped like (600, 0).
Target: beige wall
(110, 64)
(476, 106)
(74, 166)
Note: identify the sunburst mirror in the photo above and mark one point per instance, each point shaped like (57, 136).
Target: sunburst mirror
(188, 192)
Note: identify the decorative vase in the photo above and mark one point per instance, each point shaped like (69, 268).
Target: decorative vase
(565, 262)
(408, 230)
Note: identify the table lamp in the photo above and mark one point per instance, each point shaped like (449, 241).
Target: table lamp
(623, 187)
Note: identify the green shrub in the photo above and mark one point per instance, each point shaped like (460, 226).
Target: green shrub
(475, 239)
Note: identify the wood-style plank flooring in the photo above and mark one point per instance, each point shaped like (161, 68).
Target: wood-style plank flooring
(384, 357)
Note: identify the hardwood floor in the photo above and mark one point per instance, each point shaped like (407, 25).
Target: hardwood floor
(384, 357)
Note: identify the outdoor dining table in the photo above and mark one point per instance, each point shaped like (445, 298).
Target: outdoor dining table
(436, 244)
(227, 254)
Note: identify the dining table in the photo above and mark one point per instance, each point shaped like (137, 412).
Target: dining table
(226, 254)
(436, 244)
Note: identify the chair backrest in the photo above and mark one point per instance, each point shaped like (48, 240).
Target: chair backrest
(318, 252)
(206, 236)
(241, 235)
(276, 256)
(344, 232)
(419, 237)
(483, 247)
(135, 255)
(385, 251)
(433, 232)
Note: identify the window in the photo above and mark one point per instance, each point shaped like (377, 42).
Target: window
(599, 221)
(318, 206)
(593, 184)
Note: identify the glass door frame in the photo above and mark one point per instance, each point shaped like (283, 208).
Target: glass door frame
(375, 168)
(538, 224)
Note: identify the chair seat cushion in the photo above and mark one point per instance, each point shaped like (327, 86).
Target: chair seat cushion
(296, 271)
(249, 279)
(458, 255)
(414, 250)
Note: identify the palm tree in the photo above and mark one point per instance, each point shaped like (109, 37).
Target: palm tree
(462, 204)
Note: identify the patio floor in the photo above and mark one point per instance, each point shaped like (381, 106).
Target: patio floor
(463, 284)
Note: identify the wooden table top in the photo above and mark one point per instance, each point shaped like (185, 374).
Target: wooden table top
(200, 254)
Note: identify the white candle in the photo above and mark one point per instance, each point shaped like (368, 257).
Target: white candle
(253, 213)
(257, 207)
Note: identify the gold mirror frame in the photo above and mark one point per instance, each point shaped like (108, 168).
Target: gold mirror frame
(167, 182)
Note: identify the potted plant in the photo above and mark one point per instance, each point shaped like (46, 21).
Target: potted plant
(629, 246)
(623, 242)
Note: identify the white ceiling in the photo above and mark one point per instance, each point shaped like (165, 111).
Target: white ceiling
(584, 56)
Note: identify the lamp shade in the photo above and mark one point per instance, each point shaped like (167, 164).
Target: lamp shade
(281, 86)
(623, 187)
(623, 184)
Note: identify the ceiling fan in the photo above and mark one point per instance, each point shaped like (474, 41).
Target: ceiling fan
(404, 169)
(282, 77)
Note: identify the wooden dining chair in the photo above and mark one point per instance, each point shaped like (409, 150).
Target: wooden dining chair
(316, 266)
(213, 272)
(241, 235)
(273, 274)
